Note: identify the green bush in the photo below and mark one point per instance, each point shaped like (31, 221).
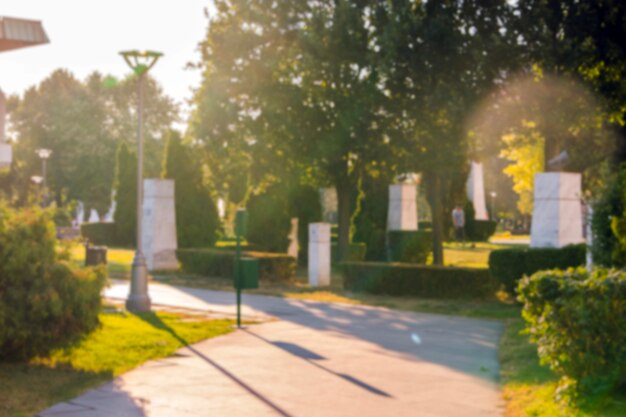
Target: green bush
(609, 206)
(99, 233)
(62, 217)
(578, 321)
(425, 225)
(509, 265)
(219, 263)
(480, 230)
(356, 252)
(417, 280)
(44, 304)
(269, 222)
(411, 247)
(477, 230)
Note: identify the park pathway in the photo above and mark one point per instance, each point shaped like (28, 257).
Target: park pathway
(316, 360)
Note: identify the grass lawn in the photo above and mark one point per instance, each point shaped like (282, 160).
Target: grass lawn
(529, 388)
(471, 254)
(123, 342)
(119, 260)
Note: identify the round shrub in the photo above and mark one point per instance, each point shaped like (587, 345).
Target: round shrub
(44, 304)
(578, 321)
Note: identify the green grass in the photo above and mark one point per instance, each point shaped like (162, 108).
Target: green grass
(470, 254)
(119, 260)
(123, 342)
(529, 388)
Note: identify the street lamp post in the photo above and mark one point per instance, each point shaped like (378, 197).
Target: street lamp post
(44, 154)
(138, 300)
(38, 179)
(493, 195)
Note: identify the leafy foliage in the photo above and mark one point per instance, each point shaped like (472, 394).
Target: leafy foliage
(197, 220)
(526, 155)
(82, 122)
(44, 304)
(578, 321)
(608, 221)
(438, 60)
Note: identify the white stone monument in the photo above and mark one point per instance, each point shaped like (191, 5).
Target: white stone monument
(158, 232)
(319, 254)
(402, 213)
(557, 210)
(6, 152)
(293, 248)
(94, 217)
(476, 190)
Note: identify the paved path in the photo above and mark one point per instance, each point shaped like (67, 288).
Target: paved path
(318, 359)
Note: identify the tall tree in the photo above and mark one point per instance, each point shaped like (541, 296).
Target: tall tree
(439, 59)
(197, 221)
(293, 81)
(82, 122)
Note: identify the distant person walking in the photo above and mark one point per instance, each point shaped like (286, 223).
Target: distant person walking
(458, 221)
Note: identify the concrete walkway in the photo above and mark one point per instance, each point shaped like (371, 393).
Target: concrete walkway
(318, 359)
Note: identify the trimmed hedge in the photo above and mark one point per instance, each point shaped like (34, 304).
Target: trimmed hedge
(417, 280)
(100, 233)
(219, 263)
(356, 254)
(410, 247)
(578, 321)
(509, 265)
(480, 230)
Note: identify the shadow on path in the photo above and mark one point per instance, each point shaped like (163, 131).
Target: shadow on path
(312, 358)
(156, 322)
(459, 343)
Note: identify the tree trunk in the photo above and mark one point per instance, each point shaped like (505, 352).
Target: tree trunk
(344, 213)
(434, 196)
(550, 150)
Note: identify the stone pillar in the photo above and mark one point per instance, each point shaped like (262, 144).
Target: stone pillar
(476, 190)
(557, 210)
(159, 224)
(319, 254)
(293, 248)
(6, 152)
(402, 213)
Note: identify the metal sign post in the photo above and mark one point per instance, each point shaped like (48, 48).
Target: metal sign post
(241, 219)
(246, 270)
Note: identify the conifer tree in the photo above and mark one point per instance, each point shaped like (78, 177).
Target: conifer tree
(125, 216)
(197, 221)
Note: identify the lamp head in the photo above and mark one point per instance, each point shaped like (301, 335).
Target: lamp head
(140, 61)
(43, 153)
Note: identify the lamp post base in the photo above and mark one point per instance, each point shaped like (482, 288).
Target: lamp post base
(138, 300)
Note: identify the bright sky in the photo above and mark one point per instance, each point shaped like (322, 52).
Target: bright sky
(87, 35)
